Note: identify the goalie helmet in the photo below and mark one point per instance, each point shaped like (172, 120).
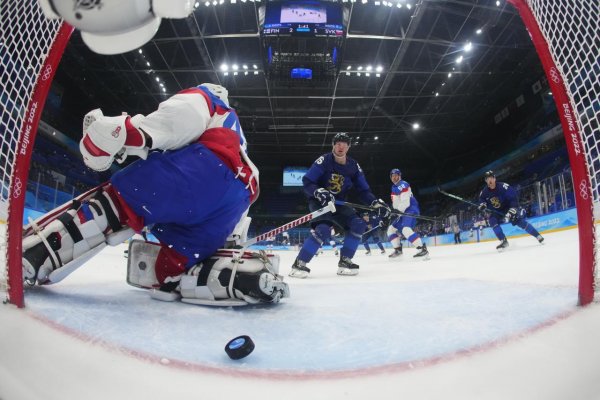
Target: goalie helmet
(112, 26)
(341, 137)
(489, 174)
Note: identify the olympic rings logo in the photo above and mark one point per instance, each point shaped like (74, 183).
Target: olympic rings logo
(47, 72)
(583, 190)
(17, 188)
(554, 75)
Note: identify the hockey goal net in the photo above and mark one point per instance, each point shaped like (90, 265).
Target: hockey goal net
(30, 49)
(565, 35)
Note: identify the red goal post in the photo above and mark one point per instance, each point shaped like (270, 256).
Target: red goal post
(566, 37)
(30, 50)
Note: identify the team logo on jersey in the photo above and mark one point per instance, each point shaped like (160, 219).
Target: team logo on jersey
(495, 202)
(336, 182)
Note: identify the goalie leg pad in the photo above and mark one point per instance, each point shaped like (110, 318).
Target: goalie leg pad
(255, 280)
(73, 234)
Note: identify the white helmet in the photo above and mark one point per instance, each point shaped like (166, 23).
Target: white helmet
(218, 91)
(113, 26)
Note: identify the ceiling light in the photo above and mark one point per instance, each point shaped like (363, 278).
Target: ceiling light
(235, 73)
(226, 73)
(233, 1)
(364, 1)
(360, 68)
(214, 3)
(369, 68)
(498, 3)
(140, 51)
(378, 75)
(255, 72)
(254, 66)
(468, 47)
(148, 63)
(347, 73)
(479, 31)
(368, 74)
(234, 67)
(376, 138)
(245, 66)
(207, 3)
(399, 5)
(157, 79)
(416, 126)
(377, 3)
(348, 67)
(224, 67)
(409, 6)
(450, 75)
(196, 5)
(245, 72)
(358, 74)
(379, 68)
(459, 59)
(164, 89)
(437, 94)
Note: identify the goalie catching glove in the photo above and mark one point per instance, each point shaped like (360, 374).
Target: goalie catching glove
(106, 139)
(382, 209)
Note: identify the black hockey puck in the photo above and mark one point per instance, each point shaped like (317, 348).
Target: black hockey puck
(239, 347)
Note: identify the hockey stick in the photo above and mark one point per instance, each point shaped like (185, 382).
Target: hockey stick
(395, 212)
(467, 201)
(328, 208)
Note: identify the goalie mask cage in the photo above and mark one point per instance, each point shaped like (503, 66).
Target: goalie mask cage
(565, 35)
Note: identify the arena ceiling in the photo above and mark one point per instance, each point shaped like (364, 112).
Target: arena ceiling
(290, 123)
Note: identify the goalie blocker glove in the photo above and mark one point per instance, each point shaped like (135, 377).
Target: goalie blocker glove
(106, 139)
(323, 196)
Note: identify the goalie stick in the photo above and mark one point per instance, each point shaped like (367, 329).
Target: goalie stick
(395, 212)
(467, 201)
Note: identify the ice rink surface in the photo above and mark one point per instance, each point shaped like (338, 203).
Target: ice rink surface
(470, 323)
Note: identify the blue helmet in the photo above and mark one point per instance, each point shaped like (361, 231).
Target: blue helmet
(395, 171)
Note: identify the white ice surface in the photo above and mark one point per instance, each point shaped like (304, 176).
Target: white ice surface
(471, 323)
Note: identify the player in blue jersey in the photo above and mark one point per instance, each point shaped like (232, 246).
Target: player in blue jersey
(404, 201)
(374, 223)
(502, 199)
(331, 177)
(192, 186)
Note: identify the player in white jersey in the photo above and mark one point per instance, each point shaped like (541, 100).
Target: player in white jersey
(404, 201)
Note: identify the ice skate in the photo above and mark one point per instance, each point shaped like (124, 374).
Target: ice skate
(299, 270)
(368, 253)
(540, 239)
(337, 252)
(423, 253)
(503, 245)
(347, 267)
(396, 253)
(382, 251)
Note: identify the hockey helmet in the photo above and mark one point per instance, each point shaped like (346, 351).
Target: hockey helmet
(218, 91)
(341, 137)
(488, 174)
(395, 171)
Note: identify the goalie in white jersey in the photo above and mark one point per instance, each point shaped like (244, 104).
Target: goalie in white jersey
(192, 186)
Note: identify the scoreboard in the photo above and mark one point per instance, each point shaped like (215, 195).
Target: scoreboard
(303, 18)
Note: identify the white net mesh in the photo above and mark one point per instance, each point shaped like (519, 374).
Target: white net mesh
(26, 37)
(572, 31)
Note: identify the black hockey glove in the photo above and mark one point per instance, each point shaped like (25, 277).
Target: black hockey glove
(511, 215)
(323, 196)
(481, 207)
(382, 209)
